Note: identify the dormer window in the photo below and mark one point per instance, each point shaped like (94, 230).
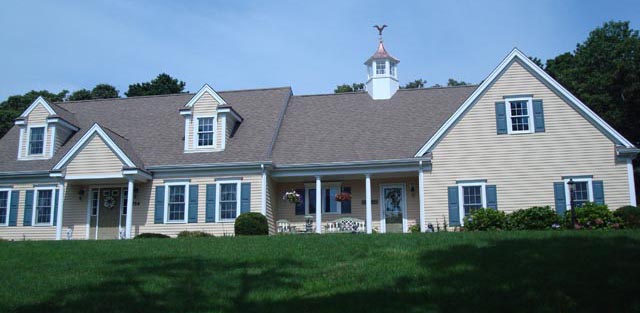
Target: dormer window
(205, 131)
(381, 67)
(36, 140)
(392, 69)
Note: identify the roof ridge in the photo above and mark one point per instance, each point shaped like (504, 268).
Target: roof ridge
(254, 89)
(333, 94)
(438, 87)
(114, 132)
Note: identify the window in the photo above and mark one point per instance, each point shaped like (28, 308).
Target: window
(229, 204)
(4, 207)
(176, 204)
(329, 203)
(95, 198)
(36, 140)
(519, 115)
(583, 191)
(370, 70)
(205, 131)
(392, 69)
(380, 67)
(472, 196)
(43, 207)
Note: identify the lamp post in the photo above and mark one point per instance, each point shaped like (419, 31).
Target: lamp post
(572, 189)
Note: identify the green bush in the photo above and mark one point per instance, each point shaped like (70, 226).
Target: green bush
(534, 218)
(151, 235)
(193, 234)
(485, 219)
(415, 228)
(251, 224)
(592, 216)
(629, 216)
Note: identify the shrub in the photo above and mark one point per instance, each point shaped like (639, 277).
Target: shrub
(485, 219)
(193, 234)
(629, 216)
(415, 228)
(534, 218)
(251, 224)
(151, 235)
(592, 216)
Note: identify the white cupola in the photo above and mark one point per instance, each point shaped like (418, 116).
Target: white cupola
(382, 73)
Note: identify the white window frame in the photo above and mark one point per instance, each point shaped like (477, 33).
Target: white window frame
(196, 123)
(94, 196)
(507, 103)
(324, 186)
(483, 195)
(392, 69)
(219, 184)
(166, 203)
(44, 139)
(567, 193)
(384, 69)
(8, 190)
(34, 210)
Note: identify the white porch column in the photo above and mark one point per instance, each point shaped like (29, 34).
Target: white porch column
(423, 226)
(369, 219)
(129, 208)
(60, 213)
(263, 195)
(318, 205)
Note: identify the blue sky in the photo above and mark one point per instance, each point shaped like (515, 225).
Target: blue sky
(309, 45)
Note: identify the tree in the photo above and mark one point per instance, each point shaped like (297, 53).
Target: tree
(604, 72)
(104, 91)
(537, 61)
(161, 85)
(355, 87)
(11, 108)
(418, 83)
(82, 94)
(452, 83)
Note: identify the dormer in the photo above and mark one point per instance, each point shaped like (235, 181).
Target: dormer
(43, 129)
(209, 122)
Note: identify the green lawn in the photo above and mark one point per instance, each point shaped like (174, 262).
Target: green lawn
(596, 271)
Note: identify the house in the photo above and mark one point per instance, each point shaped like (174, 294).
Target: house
(115, 168)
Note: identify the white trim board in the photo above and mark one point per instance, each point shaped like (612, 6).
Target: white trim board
(95, 129)
(39, 100)
(205, 88)
(516, 54)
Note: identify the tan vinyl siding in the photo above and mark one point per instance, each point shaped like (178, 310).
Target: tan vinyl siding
(38, 115)
(20, 232)
(206, 105)
(523, 166)
(271, 201)
(95, 158)
(143, 216)
(285, 210)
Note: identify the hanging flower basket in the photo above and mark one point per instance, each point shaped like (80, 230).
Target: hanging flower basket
(292, 196)
(343, 196)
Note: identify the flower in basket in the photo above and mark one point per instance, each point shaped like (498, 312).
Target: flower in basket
(292, 196)
(343, 196)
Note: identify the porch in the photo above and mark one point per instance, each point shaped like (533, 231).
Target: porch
(386, 201)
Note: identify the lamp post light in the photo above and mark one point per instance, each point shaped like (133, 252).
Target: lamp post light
(572, 189)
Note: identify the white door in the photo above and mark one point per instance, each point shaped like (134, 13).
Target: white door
(393, 206)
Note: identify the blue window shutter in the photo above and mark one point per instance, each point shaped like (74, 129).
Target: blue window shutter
(210, 214)
(55, 206)
(158, 217)
(538, 116)
(13, 214)
(561, 199)
(346, 205)
(28, 207)
(454, 208)
(312, 201)
(501, 118)
(598, 191)
(300, 205)
(193, 203)
(492, 197)
(245, 198)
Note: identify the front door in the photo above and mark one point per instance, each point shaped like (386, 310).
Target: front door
(109, 213)
(394, 208)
